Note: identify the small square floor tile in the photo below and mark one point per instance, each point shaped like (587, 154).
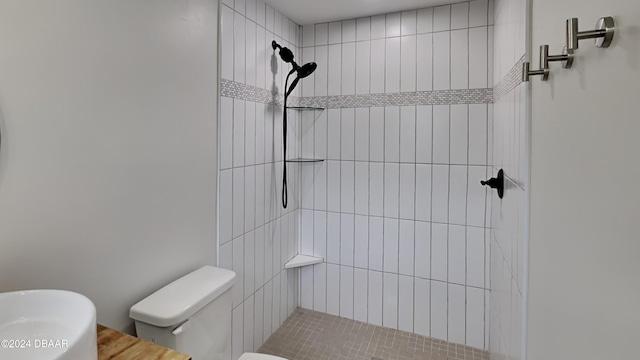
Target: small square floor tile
(310, 335)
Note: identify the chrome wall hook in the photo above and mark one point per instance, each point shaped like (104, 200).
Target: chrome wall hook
(603, 34)
(566, 57)
(527, 73)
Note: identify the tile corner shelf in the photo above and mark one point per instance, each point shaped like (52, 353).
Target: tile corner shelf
(303, 260)
(304, 108)
(304, 160)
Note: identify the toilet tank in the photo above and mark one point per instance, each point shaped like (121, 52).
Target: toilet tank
(191, 315)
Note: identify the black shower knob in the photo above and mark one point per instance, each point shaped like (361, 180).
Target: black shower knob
(496, 183)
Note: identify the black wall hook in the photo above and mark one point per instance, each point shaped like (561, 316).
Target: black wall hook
(496, 183)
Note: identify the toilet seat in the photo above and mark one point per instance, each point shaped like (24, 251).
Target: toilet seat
(254, 356)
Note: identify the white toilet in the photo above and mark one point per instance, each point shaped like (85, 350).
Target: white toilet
(192, 315)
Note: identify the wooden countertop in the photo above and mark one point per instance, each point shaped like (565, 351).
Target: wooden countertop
(114, 345)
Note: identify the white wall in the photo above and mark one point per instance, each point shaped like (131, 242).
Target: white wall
(584, 288)
(257, 235)
(508, 151)
(397, 209)
(108, 159)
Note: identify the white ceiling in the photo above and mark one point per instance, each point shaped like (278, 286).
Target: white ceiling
(306, 12)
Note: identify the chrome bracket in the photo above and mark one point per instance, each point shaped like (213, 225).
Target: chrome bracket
(528, 73)
(603, 34)
(566, 58)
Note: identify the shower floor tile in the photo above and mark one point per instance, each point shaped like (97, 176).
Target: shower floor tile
(310, 335)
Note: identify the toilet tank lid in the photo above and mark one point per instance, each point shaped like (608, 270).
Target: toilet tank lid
(177, 301)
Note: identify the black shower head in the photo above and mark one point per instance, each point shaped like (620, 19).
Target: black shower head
(306, 70)
(301, 72)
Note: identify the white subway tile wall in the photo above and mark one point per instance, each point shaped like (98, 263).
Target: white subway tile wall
(397, 209)
(508, 150)
(256, 235)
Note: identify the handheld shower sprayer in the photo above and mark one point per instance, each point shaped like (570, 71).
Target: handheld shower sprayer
(301, 72)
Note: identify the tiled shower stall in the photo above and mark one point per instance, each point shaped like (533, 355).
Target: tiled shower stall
(395, 208)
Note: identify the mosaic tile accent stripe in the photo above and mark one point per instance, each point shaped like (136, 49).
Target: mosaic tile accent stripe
(442, 97)
(236, 90)
(509, 82)
(311, 335)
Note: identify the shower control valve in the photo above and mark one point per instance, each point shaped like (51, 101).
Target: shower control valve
(496, 183)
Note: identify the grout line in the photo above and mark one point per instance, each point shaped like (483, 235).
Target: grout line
(326, 183)
(380, 162)
(466, 212)
(369, 196)
(353, 277)
(398, 36)
(449, 180)
(399, 114)
(415, 188)
(431, 189)
(487, 214)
